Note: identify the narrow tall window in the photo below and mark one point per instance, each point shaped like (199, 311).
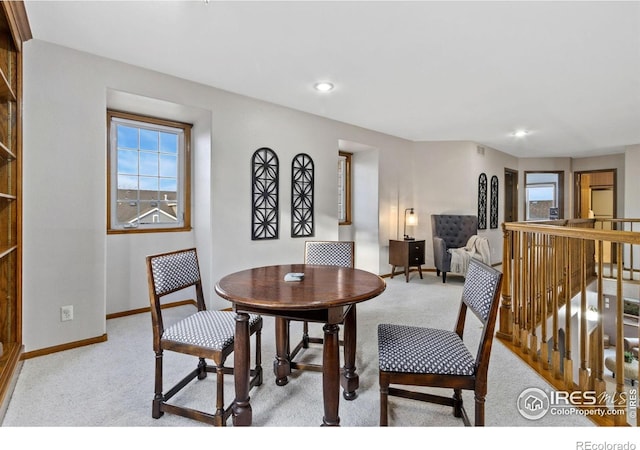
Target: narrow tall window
(149, 174)
(344, 188)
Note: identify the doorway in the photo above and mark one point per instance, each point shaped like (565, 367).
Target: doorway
(510, 195)
(595, 198)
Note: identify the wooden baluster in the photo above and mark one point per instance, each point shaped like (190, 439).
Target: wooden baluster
(599, 385)
(516, 298)
(583, 373)
(526, 293)
(546, 258)
(557, 265)
(631, 268)
(505, 329)
(534, 297)
(568, 363)
(621, 418)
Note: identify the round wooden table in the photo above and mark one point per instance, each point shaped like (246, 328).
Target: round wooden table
(327, 294)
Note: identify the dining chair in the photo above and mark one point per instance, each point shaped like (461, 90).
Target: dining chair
(432, 357)
(205, 334)
(328, 253)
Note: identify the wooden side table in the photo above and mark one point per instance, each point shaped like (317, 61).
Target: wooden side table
(406, 254)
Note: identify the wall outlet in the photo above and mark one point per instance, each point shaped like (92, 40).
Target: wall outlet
(66, 313)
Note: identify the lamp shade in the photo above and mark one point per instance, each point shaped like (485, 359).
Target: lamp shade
(412, 219)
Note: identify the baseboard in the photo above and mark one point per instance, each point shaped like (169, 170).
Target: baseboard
(62, 347)
(104, 337)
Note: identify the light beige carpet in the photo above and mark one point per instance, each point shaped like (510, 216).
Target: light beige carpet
(111, 384)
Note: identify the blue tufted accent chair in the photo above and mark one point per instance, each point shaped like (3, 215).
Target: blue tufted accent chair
(450, 231)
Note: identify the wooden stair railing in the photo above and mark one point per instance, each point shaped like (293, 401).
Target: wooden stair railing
(631, 273)
(552, 281)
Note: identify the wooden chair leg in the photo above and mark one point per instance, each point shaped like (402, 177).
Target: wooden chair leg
(202, 369)
(384, 402)
(479, 420)
(305, 335)
(156, 410)
(219, 419)
(457, 403)
(258, 381)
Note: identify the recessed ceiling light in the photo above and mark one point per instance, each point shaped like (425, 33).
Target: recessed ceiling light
(520, 133)
(323, 86)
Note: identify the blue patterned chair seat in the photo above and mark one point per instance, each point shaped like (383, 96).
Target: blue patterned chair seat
(205, 335)
(410, 356)
(423, 350)
(210, 329)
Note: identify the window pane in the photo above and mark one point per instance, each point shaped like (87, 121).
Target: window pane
(543, 191)
(156, 212)
(126, 211)
(148, 140)
(127, 137)
(148, 163)
(128, 194)
(168, 166)
(127, 182)
(128, 162)
(539, 200)
(149, 184)
(169, 184)
(169, 143)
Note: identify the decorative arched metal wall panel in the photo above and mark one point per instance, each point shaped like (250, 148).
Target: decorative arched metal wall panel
(264, 194)
(493, 215)
(482, 202)
(302, 174)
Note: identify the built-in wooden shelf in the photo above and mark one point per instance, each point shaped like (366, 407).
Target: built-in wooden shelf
(6, 152)
(7, 251)
(6, 92)
(9, 361)
(14, 30)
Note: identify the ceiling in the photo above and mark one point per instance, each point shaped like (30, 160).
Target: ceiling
(568, 72)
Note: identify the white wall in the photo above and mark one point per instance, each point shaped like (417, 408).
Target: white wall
(70, 260)
(445, 178)
(632, 181)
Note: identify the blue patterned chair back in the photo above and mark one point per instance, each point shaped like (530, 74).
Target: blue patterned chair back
(480, 289)
(174, 271)
(329, 253)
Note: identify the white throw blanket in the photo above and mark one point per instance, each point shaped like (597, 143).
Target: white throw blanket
(477, 247)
